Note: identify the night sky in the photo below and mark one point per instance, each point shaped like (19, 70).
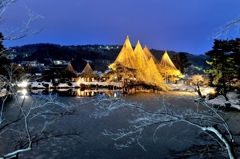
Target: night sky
(178, 25)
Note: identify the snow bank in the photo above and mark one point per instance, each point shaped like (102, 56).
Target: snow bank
(183, 87)
(220, 100)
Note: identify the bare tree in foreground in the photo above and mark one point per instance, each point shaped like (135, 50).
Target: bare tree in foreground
(15, 33)
(24, 121)
(209, 121)
(224, 29)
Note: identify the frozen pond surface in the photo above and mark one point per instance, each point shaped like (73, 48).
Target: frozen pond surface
(170, 141)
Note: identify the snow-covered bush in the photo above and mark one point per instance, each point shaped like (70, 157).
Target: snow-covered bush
(199, 79)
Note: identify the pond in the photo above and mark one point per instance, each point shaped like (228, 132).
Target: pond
(168, 142)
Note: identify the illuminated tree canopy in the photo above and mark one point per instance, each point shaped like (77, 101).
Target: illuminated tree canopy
(126, 56)
(69, 71)
(87, 69)
(167, 68)
(141, 63)
(120, 71)
(88, 72)
(149, 54)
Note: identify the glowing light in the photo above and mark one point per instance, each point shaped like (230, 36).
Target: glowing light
(78, 81)
(208, 91)
(23, 84)
(213, 91)
(24, 92)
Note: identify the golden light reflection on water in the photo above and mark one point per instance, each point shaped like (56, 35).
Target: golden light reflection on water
(86, 93)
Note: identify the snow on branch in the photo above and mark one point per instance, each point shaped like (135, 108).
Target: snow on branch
(45, 109)
(15, 33)
(224, 29)
(208, 120)
(24, 31)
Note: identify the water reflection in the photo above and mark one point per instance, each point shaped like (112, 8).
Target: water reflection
(79, 92)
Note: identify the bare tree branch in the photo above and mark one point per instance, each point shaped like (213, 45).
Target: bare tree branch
(224, 29)
(209, 121)
(45, 109)
(24, 31)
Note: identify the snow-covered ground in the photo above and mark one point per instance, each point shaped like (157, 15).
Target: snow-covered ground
(42, 85)
(218, 101)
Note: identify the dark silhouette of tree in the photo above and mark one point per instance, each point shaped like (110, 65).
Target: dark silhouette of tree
(181, 62)
(23, 132)
(236, 52)
(176, 60)
(223, 68)
(3, 57)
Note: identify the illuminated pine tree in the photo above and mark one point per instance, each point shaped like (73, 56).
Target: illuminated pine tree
(87, 72)
(69, 72)
(147, 71)
(167, 69)
(149, 54)
(126, 56)
(121, 72)
(136, 64)
(153, 76)
(141, 62)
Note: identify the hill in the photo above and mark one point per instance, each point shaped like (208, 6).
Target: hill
(101, 56)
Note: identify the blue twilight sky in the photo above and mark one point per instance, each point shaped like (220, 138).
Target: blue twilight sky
(179, 25)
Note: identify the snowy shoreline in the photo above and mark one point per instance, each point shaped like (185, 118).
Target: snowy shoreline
(218, 101)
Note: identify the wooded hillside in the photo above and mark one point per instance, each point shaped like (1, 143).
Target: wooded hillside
(100, 55)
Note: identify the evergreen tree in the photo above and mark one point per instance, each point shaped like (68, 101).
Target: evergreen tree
(183, 62)
(222, 65)
(3, 57)
(236, 51)
(180, 60)
(167, 69)
(176, 60)
(121, 72)
(69, 72)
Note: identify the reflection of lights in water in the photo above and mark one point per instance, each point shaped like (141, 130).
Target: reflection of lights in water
(115, 94)
(80, 93)
(24, 92)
